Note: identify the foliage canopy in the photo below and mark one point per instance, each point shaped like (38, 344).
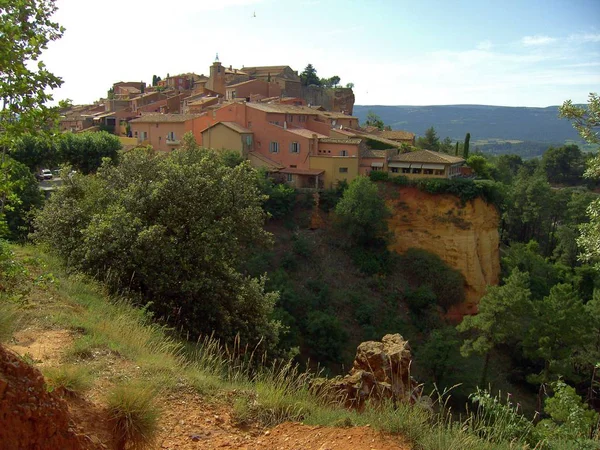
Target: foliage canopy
(173, 228)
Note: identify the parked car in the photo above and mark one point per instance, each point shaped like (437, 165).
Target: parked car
(46, 174)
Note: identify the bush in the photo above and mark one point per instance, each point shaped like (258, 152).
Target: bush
(325, 336)
(184, 211)
(465, 189)
(281, 200)
(424, 268)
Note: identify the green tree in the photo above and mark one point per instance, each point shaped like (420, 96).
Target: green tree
(349, 85)
(466, 146)
(373, 120)
(587, 122)
(446, 145)
(26, 29)
(185, 212)
(564, 165)
(362, 211)
(430, 141)
(502, 319)
(25, 188)
(560, 330)
(309, 76)
(507, 167)
(480, 166)
(330, 82)
(86, 151)
(570, 420)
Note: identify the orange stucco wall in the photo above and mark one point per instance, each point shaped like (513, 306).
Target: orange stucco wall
(331, 149)
(156, 134)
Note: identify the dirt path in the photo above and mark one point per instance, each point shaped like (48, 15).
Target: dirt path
(188, 421)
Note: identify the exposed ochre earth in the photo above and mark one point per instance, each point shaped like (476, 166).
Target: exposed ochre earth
(465, 236)
(30, 416)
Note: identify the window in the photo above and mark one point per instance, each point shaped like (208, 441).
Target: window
(170, 136)
(406, 170)
(416, 171)
(343, 170)
(144, 135)
(295, 147)
(135, 134)
(249, 124)
(394, 169)
(343, 152)
(290, 178)
(274, 147)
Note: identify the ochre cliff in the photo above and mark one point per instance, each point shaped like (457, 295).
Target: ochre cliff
(464, 236)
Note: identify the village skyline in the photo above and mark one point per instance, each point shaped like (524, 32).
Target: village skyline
(395, 53)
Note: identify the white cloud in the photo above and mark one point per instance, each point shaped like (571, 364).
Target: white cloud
(484, 45)
(583, 38)
(537, 40)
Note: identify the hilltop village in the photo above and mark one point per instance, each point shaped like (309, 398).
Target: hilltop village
(303, 135)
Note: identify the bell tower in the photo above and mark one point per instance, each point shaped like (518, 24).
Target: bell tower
(216, 80)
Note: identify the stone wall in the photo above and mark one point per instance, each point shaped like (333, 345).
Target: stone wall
(340, 99)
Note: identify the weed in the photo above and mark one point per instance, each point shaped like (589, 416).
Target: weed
(9, 320)
(133, 415)
(70, 378)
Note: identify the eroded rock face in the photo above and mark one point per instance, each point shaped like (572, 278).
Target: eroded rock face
(464, 236)
(31, 417)
(381, 370)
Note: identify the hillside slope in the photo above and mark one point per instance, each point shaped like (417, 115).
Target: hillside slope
(482, 121)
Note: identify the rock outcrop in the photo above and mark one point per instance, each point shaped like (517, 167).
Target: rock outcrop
(465, 236)
(381, 370)
(30, 416)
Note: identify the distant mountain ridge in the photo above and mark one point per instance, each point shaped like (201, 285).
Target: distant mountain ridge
(482, 121)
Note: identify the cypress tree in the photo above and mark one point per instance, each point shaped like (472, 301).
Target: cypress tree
(466, 147)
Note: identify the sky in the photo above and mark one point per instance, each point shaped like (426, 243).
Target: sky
(396, 52)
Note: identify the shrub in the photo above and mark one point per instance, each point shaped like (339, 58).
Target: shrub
(421, 298)
(424, 268)
(325, 336)
(184, 211)
(281, 200)
(377, 175)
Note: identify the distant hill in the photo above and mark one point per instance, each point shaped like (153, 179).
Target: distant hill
(482, 121)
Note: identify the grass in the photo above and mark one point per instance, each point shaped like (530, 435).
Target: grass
(263, 394)
(68, 377)
(133, 415)
(9, 320)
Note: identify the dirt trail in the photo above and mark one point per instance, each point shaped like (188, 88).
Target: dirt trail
(188, 421)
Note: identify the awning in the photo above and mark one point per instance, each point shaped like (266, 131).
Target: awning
(403, 165)
(415, 165)
(295, 171)
(433, 166)
(376, 164)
